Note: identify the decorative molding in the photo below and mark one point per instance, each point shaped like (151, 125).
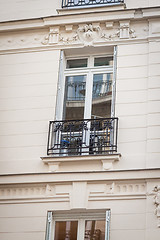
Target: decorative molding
(80, 34)
(89, 33)
(56, 192)
(68, 39)
(72, 191)
(52, 37)
(106, 161)
(156, 201)
(125, 31)
(114, 190)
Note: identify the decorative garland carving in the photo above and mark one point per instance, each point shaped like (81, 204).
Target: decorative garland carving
(110, 37)
(156, 201)
(67, 40)
(84, 34)
(89, 33)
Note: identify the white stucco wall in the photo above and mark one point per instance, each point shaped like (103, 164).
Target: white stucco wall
(28, 95)
(29, 63)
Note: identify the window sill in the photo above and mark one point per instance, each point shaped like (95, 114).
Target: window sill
(106, 161)
(90, 9)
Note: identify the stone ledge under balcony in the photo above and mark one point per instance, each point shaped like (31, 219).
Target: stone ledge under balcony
(106, 161)
(91, 9)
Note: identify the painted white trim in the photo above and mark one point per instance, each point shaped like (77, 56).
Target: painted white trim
(60, 89)
(89, 71)
(108, 217)
(80, 216)
(114, 82)
(49, 226)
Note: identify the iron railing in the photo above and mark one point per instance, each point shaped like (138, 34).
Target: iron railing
(81, 3)
(82, 137)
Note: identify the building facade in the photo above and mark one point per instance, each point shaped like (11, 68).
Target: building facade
(80, 120)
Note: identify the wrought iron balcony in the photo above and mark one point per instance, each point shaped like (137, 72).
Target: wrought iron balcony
(82, 137)
(85, 3)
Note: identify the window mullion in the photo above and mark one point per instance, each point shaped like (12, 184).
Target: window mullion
(81, 229)
(49, 226)
(107, 228)
(88, 96)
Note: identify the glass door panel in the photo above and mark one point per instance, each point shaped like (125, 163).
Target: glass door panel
(94, 230)
(66, 230)
(101, 108)
(72, 137)
(75, 97)
(101, 95)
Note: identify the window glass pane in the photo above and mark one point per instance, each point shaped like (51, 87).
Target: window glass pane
(77, 63)
(66, 230)
(101, 95)
(95, 230)
(75, 97)
(103, 61)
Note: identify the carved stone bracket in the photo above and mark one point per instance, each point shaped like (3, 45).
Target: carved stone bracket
(156, 201)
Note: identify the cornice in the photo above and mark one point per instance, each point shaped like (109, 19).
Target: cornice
(80, 17)
(54, 177)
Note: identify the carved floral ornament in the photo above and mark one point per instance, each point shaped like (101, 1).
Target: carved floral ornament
(88, 34)
(156, 201)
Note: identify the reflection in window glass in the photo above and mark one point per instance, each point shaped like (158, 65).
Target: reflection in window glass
(101, 95)
(77, 63)
(66, 230)
(103, 61)
(95, 230)
(75, 97)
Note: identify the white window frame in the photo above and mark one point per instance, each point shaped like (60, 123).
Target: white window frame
(89, 71)
(81, 217)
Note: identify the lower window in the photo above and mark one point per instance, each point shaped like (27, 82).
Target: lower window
(78, 226)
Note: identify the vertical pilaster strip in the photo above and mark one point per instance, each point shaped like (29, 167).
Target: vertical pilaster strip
(48, 226)
(107, 230)
(61, 88)
(114, 82)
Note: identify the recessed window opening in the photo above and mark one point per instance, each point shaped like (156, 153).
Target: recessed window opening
(81, 225)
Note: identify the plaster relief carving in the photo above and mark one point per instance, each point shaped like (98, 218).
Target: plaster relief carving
(68, 39)
(89, 33)
(110, 37)
(122, 32)
(116, 190)
(125, 31)
(49, 190)
(52, 37)
(156, 201)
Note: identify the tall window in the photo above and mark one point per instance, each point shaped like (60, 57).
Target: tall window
(85, 121)
(78, 226)
(88, 87)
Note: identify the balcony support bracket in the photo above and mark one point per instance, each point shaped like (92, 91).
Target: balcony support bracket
(106, 161)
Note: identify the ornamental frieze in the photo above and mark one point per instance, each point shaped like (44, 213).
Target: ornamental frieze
(90, 34)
